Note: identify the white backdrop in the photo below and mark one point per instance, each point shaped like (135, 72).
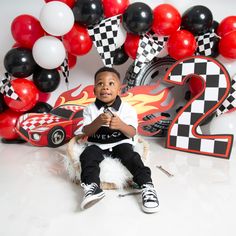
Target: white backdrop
(87, 65)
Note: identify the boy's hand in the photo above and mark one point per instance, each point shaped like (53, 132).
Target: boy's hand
(116, 122)
(104, 119)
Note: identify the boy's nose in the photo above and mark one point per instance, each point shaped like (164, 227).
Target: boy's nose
(105, 86)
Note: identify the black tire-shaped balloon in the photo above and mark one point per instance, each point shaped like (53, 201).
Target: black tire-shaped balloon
(150, 75)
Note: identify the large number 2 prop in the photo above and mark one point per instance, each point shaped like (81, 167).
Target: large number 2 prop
(184, 133)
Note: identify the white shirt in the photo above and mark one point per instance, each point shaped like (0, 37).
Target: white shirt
(125, 112)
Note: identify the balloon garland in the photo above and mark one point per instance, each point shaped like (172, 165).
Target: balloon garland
(49, 45)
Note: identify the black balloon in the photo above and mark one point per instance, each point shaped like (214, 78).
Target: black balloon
(138, 18)
(197, 19)
(120, 56)
(214, 26)
(19, 62)
(41, 107)
(46, 80)
(3, 105)
(88, 12)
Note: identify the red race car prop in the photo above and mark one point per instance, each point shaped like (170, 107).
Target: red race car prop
(51, 129)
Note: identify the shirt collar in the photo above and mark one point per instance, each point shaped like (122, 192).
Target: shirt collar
(116, 104)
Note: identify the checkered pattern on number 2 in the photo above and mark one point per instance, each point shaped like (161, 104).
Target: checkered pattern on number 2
(205, 43)
(104, 37)
(6, 87)
(181, 133)
(34, 122)
(230, 102)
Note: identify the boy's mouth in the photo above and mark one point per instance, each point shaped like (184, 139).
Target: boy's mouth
(105, 94)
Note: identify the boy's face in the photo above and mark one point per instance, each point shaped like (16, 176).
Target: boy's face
(107, 87)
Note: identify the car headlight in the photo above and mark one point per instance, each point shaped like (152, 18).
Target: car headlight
(35, 136)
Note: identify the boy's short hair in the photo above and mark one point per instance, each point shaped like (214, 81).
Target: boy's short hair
(106, 69)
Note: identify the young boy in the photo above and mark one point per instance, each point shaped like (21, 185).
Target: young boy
(110, 125)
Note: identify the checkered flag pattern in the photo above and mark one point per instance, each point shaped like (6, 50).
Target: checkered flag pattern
(104, 37)
(149, 47)
(65, 70)
(181, 134)
(230, 102)
(205, 43)
(6, 87)
(34, 122)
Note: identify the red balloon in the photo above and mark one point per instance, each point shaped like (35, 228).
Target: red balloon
(72, 59)
(131, 45)
(17, 45)
(114, 7)
(8, 121)
(77, 41)
(181, 44)
(43, 97)
(27, 92)
(226, 26)
(70, 3)
(167, 19)
(227, 45)
(26, 29)
(195, 85)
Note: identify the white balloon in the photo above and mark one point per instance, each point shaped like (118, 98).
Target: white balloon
(224, 124)
(121, 36)
(56, 18)
(49, 52)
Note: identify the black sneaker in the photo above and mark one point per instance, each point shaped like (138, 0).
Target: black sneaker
(92, 194)
(149, 198)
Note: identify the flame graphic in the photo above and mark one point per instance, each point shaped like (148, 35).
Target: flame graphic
(145, 102)
(85, 97)
(142, 98)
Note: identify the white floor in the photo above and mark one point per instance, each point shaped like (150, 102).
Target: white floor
(37, 198)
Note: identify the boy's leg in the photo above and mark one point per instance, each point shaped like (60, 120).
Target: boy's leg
(132, 161)
(90, 159)
(141, 175)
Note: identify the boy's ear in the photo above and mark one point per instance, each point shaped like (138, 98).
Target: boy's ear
(119, 91)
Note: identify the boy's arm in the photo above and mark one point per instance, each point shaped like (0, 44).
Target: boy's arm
(128, 130)
(90, 129)
(128, 124)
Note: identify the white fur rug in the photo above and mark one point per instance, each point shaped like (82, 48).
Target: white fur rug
(112, 173)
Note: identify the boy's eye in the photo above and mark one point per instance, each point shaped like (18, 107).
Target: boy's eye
(100, 84)
(111, 83)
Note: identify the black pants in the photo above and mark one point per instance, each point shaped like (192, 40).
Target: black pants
(93, 155)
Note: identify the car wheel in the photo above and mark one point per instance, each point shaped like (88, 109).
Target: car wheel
(56, 137)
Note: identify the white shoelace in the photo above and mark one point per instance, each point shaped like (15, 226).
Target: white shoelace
(88, 188)
(149, 193)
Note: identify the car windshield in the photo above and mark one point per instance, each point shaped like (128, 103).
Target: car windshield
(64, 113)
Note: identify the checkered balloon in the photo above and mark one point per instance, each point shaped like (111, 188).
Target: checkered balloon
(185, 133)
(104, 37)
(6, 88)
(230, 102)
